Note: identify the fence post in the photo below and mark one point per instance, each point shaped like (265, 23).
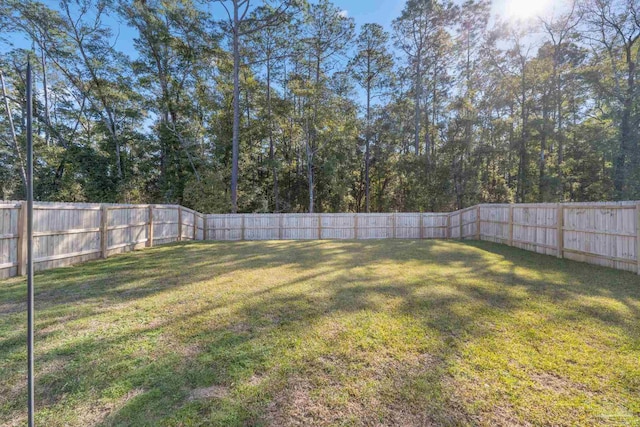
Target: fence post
(179, 223)
(319, 226)
(195, 227)
(560, 223)
(393, 221)
(421, 225)
(204, 226)
(242, 226)
(510, 241)
(22, 240)
(448, 233)
(150, 232)
(104, 231)
(355, 226)
(638, 235)
(478, 222)
(280, 218)
(461, 217)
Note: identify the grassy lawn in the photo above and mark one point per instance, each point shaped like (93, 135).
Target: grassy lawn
(402, 333)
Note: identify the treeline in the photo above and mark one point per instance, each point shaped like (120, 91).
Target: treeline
(285, 106)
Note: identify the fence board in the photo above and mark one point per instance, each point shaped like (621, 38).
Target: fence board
(127, 228)
(261, 226)
(9, 214)
(469, 222)
(535, 228)
(300, 226)
(338, 226)
(494, 223)
(165, 224)
(454, 225)
(64, 235)
(601, 235)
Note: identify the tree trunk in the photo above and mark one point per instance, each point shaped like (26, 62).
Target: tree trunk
(543, 148)
(560, 132)
(522, 164)
(367, 138)
(272, 157)
(310, 177)
(235, 145)
(16, 147)
(622, 163)
(418, 94)
(45, 94)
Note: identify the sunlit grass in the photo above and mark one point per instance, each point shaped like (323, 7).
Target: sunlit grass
(326, 333)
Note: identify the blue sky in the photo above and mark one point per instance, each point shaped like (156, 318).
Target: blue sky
(378, 11)
(362, 11)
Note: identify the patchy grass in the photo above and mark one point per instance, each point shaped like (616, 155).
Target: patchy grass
(396, 333)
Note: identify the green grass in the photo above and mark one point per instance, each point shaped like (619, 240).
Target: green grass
(326, 333)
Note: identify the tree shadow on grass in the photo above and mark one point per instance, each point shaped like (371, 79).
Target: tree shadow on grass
(366, 332)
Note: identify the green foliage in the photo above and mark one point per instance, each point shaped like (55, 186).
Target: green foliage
(468, 112)
(209, 195)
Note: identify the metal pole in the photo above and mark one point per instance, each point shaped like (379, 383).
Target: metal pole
(30, 245)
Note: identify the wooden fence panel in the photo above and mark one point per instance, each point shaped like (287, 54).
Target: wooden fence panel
(65, 234)
(261, 226)
(375, 226)
(224, 227)
(300, 226)
(200, 226)
(407, 226)
(469, 222)
(127, 228)
(494, 223)
(165, 224)
(601, 235)
(454, 225)
(9, 234)
(535, 227)
(187, 229)
(337, 226)
(434, 225)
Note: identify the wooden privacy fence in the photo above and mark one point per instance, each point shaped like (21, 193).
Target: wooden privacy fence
(326, 226)
(67, 233)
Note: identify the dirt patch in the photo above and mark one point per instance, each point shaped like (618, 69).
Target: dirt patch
(555, 383)
(294, 406)
(213, 392)
(55, 325)
(240, 327)
(416, 363)
(371, 400)
(11, 308)
(97, 414)
(273, 319)
(190, 350)
(256, 380)
(300, 405)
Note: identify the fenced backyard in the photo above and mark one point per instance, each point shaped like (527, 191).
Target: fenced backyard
(605, 234)
(411, 319)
